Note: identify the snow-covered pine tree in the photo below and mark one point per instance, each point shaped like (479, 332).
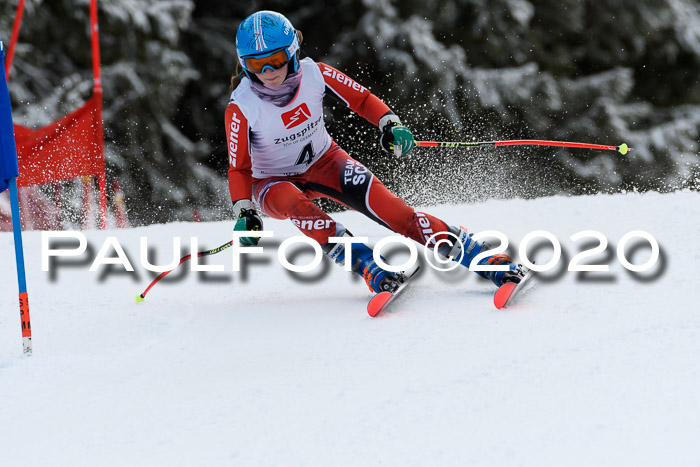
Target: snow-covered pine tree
(602, 72)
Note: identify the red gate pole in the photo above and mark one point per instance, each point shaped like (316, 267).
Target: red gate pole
(97, 90)
(13, 39)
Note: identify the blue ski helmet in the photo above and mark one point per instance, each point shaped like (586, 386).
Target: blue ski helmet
(267, 39)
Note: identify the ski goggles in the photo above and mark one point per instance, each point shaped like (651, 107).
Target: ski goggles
(274, 61)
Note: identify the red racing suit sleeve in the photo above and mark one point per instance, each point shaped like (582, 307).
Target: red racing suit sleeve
(239, 166)
(353, 94)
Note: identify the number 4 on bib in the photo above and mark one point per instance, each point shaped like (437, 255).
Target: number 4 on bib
(306, 156)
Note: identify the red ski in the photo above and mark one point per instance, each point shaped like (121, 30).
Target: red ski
(382, 300)
(507, 292)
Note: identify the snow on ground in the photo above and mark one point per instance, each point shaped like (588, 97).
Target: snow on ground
(268, 368)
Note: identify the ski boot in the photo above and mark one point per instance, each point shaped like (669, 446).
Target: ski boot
(472, 248)
(363, 264)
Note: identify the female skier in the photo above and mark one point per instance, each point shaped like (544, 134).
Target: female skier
(281, 155)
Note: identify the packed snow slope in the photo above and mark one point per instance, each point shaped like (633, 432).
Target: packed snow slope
(264, 367)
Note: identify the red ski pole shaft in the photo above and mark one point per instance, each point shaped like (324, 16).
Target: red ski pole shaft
(622, 148)
(142, 296)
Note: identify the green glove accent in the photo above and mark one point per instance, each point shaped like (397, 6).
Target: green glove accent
(248, 220)
(403, 138)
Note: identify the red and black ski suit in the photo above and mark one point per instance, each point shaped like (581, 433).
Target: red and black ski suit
(284, 158)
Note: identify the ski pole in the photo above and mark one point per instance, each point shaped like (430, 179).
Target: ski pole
(622, 149)
(141, 297)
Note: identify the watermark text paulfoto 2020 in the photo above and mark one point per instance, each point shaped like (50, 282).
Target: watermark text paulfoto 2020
(111, 251)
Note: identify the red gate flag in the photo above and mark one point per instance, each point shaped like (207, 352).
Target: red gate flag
(63, 150)
(72, 146)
